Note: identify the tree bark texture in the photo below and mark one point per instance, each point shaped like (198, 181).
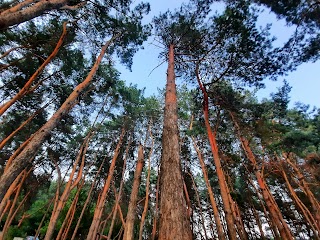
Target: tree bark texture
(174, 222)
(22, 160)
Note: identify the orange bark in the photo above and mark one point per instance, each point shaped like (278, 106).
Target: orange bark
(273, 208)
(12, 213)
(189, 210)
(27, 85)
(11, 190)
(146, 203)
(220, 174)
(305, 187)
(272, 225)
(305, 211)
(101, 201)
(156, 211)
(214, 206)
(4, 141)
(71, 184)
(87, 200)
(174, 222)
(118, 196)
(199, 205)
(64, 229)
(28, 9)
(29, 151)
(131, 215)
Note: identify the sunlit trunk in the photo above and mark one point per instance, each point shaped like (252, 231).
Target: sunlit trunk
(224, 190)
(174, 222)
(30, 150)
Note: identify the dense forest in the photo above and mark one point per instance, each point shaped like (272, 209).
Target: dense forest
(84, 155)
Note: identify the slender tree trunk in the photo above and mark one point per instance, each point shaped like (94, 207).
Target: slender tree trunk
(304, 210)
(22, 125)
(104, 222)
(114, 212)
(12, 213)
(174, 222)
(13, 187)
(156, 211)
(43, 218)
(27, 10)
(273, 208)
(118, 196)
(200, 207)
(146, 203)
(131, 215)
(236, 213)
(257, 217)
(214, 206)
(101, 201)
(6, 208)
(21, 161)
(305, 187)
(232, 233)
(63, 231)
(272, 224)
(189, 210)
(27, 85)
(71, 184)
(87, 200)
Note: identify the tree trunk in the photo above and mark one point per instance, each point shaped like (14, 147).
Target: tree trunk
(174, 222)
(257, 217)
(87, 200)
(305, 187)
(21, 161)
(102, 199)
(200, 207)
(214, 206)
(12, 213)
(118, 196)
(220, 174)
(13, 187)
(272, 225)
(156, 211)
(64, 229)
(146, 203)
(273, 208)
(27, 10)
(131, 215)
(27, 85)
(71, 184)
(22, 125)
(300, 205)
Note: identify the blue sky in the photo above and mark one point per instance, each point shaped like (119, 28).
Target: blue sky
(304, 81)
